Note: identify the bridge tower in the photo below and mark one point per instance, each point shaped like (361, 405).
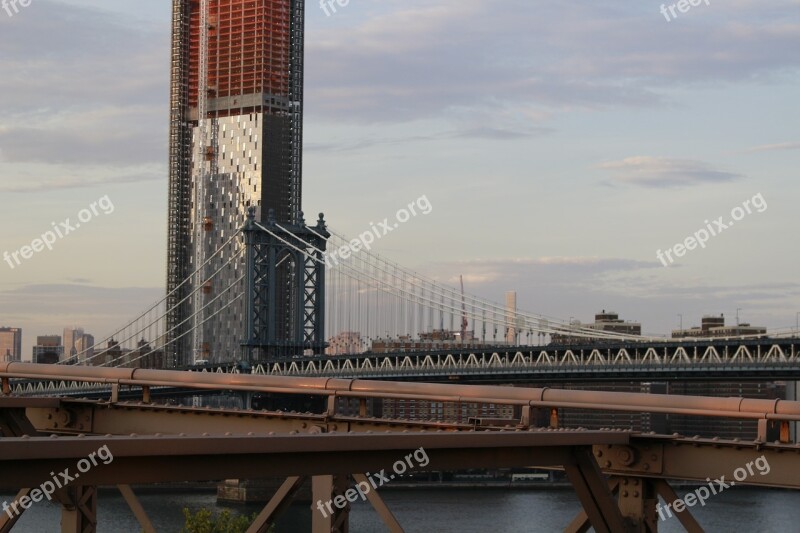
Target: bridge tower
(284, 289)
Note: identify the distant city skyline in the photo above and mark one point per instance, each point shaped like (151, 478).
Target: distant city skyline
(560, 157)
(709, 325)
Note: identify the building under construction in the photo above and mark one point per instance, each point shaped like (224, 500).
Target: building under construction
(235, 142)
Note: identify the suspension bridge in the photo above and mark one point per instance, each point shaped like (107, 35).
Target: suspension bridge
(427, 326)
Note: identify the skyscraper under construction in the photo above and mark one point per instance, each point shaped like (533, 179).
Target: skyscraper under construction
(236, 116)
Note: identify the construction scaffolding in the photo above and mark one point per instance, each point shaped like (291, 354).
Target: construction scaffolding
(180, 190)
(249, 52)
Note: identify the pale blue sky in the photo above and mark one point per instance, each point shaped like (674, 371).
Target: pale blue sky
(561, 144)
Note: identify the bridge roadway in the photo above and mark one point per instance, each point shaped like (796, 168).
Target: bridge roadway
(618, 476)
(709, 360)
(718, 359)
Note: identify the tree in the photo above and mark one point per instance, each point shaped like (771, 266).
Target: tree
(204, 521)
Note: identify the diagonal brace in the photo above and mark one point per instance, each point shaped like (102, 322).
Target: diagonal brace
(279, 502)
(593, 492)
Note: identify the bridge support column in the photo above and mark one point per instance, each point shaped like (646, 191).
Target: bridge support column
(326, 516)
(581, 524)
(637, 502)
(80, 514)
(594, 493)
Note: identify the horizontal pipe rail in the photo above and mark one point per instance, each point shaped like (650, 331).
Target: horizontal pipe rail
(539, 397)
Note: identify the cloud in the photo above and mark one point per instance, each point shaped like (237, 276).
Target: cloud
(544, 269)
(421, 59)
(663, 172)
(47, 182)
(110, 135)
(63, 55)
(486, 133)
(499, 134)
(771, 147)
(84, 98)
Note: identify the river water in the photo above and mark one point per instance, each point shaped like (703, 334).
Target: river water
(433, 510)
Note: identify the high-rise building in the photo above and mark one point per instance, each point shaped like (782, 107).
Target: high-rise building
(511, 317)
(714, 326)
(607, 321)
(112, 355)
(145, 357)
(78, 345)
(71, 337)
(235, 143)
(10, 344)
(48, 350)
(84, 348)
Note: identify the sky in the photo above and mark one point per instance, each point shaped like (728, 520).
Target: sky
(561, 145)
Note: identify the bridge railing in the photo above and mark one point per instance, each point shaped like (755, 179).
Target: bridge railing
(782, 411)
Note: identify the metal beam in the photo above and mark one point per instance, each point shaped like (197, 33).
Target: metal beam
(685, 517)
(581, 524)
(28, 461)
(81, 517)
(772, 465)
(15, 423)
(279, 502)
(635, 402)
(637, 501)
(593, 492)
(102, 418)
(9, 517)
(326, 489)
(136, 508)
(380, 506)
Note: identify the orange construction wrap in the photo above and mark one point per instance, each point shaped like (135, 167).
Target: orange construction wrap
(248, 51)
